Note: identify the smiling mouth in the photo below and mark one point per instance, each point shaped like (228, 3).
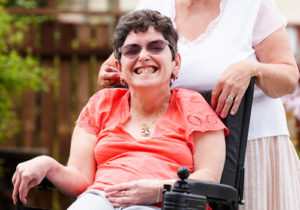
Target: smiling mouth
(146, 70)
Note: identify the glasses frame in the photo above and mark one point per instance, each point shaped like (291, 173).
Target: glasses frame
(166, 42)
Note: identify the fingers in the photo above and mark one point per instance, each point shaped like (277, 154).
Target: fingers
(224, 105)
(226, 100)
(25, 177)
(118, 188)
(108, 77)
(20, 185)
(16, 183)
(229, 101)
(121, 194)
(231, 86)
(215, 96)
(121, 201)
(133, 193)
(23, 189)
(110, 69)
(220, 100)
(120, 198)
(236, 104)
(118, 194)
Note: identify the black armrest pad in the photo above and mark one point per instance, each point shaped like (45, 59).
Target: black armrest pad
(45, 184)
(213, 190)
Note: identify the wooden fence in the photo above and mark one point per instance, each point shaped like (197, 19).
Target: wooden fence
(71, 55)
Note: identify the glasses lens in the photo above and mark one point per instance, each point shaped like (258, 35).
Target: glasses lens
(156, 46)
(131, 50)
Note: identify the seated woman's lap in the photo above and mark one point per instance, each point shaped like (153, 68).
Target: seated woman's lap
(95, 200)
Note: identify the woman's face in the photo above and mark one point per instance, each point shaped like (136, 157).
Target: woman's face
(153, 65)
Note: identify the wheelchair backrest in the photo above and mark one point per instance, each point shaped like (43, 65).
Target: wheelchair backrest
(236, 140)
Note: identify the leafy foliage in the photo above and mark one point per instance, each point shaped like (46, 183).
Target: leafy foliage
(28, 4)
(17, 72)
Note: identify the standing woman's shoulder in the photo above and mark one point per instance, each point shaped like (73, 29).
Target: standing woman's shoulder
(269, 19)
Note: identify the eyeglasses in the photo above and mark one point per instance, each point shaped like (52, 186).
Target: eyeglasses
(133, 50)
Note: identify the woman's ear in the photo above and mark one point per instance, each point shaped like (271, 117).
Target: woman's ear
(177, 64)
(120, 72)
(118, 67)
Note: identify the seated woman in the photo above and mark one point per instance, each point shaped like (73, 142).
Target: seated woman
(128, 143)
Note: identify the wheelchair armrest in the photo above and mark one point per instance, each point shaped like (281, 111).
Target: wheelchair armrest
(45, 184)
(213, 190)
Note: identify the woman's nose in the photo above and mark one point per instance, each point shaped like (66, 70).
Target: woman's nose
(144, 55)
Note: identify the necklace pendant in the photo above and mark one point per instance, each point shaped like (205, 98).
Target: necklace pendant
(145, 132)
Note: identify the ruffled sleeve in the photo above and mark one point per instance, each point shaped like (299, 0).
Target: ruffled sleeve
(197, 114)
(91, 114)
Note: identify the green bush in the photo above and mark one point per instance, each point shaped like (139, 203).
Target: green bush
(17, 72)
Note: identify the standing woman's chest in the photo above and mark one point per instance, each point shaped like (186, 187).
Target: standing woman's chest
(192, 18)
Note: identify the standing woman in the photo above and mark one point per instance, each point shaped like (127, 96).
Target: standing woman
(223, 43)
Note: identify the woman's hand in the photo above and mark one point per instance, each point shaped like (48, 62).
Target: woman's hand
(231, 87)
(28, 175)
(135, 193)
(108, 76)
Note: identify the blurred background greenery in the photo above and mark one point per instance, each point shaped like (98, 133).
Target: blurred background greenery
(17, 72)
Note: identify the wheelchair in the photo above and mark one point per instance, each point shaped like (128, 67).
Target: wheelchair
(228, 195)
(188, 194)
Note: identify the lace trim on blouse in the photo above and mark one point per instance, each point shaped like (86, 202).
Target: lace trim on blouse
(87, 118)
(209, 29)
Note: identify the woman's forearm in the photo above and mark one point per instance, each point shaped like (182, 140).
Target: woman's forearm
(69, 180)
(277, 73)
(206, 175)
(276, 80)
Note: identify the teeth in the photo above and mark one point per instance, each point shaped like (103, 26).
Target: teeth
(145, 70)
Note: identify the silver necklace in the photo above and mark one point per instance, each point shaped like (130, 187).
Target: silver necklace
(145, 131)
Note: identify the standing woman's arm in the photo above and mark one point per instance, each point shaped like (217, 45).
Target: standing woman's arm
(277, 73)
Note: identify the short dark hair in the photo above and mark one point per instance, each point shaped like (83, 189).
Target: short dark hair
(139, 21)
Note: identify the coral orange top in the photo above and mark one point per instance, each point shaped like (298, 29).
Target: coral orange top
(122, 158)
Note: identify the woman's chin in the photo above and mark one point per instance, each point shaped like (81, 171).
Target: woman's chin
(145, 84)
(148, 84)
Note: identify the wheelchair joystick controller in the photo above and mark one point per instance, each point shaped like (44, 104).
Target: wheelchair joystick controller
(181, 185)
(180, 197)
(183, 173)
